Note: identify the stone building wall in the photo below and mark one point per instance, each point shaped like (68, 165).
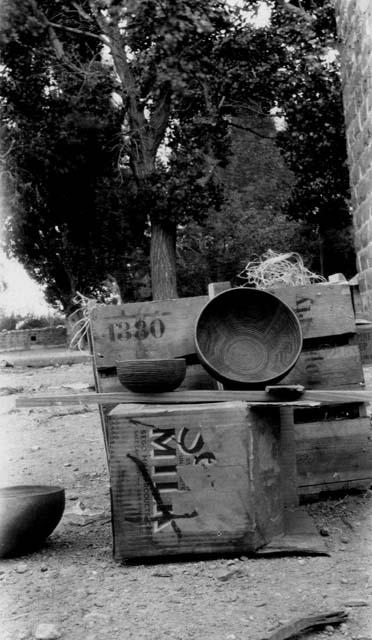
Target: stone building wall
(33, 338)
(354, 22)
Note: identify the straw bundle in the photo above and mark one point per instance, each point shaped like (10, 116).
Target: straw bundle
(80, 326)
(273, 270)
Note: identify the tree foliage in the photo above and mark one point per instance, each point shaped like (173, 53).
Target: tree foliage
(61, 131)
(308, 94)
(166, 69)
(300, 78)
(118, 120)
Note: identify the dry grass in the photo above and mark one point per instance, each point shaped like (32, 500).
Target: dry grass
(273, 270)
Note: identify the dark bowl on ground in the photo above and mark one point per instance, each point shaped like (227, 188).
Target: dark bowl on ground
(151, 376)
(28, 515)
(247, 338)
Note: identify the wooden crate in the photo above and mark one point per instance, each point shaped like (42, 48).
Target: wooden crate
(331, 367)
(324, 310)
(333, 455)
(159, 329)
(165, 328)
(193, 479)
(330, 359)
(363, 340)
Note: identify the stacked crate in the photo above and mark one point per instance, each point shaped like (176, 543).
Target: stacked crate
(333, 441)
(187, 478)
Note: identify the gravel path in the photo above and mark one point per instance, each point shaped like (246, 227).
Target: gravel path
(73, 589)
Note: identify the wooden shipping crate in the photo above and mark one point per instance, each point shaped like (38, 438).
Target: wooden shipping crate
(333, 368)
(363, 340)
(322, 309)
(333, 455)
(193, 479)
(165, 328)
(330, 358)
(158, 329)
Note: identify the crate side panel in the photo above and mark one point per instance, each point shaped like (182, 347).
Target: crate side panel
(157, 329)
(199, 459)
(322, 309)
(363, 339)
(334, 368)
(333, 452)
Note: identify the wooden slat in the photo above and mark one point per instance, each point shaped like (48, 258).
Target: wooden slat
(363, 340)
(214, 288)
(316, 492)
(323, 309)
(165, 328)
(187, 397)
(334, 368)
(330, 412)
(330, 453)
(173, 398)
(158, 329)
(304, 625)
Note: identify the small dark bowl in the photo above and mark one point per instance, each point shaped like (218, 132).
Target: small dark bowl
(28, 515)
(248, 338)
(151, 376)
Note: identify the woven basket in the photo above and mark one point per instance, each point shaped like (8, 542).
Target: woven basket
(247, 338)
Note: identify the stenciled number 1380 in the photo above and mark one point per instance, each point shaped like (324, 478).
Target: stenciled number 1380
(140, 330)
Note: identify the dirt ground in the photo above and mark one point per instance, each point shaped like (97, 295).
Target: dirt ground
(73, 589)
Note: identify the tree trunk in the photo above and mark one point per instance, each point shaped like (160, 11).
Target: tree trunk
(163, 260)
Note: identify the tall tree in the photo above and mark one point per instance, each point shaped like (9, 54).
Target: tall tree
(159, 60)
(178, 72)
(178, 69)
(59, 135)
(308, 95)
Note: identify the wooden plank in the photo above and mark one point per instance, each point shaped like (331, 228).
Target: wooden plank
(165, 328)
(288, 457)
(363, 340)
(322, 490)
(300, 536)
(304, 625)
(258, 398)
(333, 368)
(333, 452)
(189, 396)
(214, 288)
(357, 300)
(330, 412)
(157, 329)
(323, 309)
(196, 479)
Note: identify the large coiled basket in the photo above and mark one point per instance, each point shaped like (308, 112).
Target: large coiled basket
(247, 338)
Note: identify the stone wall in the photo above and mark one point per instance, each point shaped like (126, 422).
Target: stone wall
(33, 338)
(354, 21)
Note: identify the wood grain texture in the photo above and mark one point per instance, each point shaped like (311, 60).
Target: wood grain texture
(288, 457)
(332, 453)
(262, 398)
(196, 479)
(307, 623)
(165, 328)
(334, 368)
(300, 536)
(157, 329)
(323, 309)
(363, 340)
